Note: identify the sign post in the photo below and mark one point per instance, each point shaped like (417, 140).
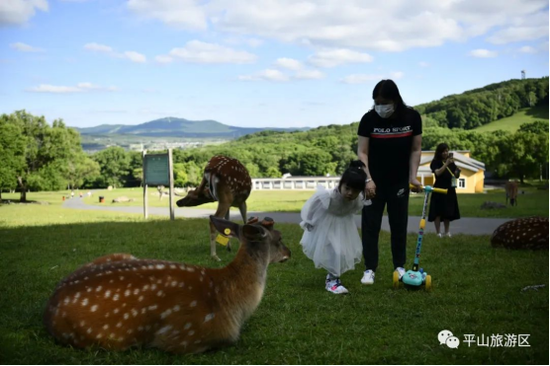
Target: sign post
(157, 171)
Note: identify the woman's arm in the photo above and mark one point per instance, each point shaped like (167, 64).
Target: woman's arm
(363, 155)
(416, 152)
(441, 170)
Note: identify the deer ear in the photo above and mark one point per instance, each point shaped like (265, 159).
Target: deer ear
(225, 227)
(253, 232)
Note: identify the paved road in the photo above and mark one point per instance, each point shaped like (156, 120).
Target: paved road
(466, 225)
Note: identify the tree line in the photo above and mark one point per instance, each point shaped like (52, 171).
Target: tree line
(37, 156)
(478, 107)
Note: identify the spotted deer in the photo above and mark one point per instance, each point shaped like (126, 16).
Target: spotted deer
(226, 181)
(118, 301)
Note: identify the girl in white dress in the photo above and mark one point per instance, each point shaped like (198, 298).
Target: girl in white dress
(331, 238)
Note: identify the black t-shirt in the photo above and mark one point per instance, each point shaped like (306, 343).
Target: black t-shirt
(390, 142)
(445, 179)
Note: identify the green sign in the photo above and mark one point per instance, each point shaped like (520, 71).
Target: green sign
(156, 170)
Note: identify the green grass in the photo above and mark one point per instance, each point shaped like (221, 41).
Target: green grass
(512, 123)
(533, 202)
(477, 290)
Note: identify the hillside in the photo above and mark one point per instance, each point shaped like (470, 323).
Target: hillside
(512, 123)
(479, 107)
(177, 127)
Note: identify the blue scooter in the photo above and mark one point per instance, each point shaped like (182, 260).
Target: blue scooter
(416, 277)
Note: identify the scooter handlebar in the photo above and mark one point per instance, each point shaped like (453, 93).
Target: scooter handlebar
(430, 189)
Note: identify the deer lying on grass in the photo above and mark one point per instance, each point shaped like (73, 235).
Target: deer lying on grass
(118, 301)
(224, 180)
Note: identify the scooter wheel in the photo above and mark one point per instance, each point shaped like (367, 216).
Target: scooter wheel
(428, 282)
(395, 279)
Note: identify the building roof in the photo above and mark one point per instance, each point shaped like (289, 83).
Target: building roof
(462, 161)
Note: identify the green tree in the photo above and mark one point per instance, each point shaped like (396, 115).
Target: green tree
(12, 149)
(114, 166)
(180, 175)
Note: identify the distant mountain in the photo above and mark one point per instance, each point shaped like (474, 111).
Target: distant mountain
(179, 127)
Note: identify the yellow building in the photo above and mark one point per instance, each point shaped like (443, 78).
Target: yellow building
(472, 173)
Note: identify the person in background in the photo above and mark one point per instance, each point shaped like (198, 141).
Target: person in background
(390, 139)
(444, 207)
(331, 239)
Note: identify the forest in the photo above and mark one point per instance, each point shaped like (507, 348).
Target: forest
(39, 156)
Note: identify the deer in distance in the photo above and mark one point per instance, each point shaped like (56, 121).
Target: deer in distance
(117, 301)
(226, 181)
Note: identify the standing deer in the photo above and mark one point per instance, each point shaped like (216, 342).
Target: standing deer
(512, 192)
(118, 301)
(224, 180)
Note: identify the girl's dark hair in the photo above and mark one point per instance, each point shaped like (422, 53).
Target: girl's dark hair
(387, 89)
(439, 150)
(354, 176)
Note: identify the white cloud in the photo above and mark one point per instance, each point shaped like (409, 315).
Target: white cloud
(265, 75)
(522, 29)
(518, 34)
(129, 55)
(288, 63)
(46, 88)
(187, 14)
(393, 25)
(25, 47)
(423, 64)
(527, 49)
(309, 74)
(396, 75)
(162, 59)
(331, 58)
(79, 88)
(209, 53)
(237, 41)
(98, 47)
(16, 12)
(135, 57)
(482, 53)
(361, 78)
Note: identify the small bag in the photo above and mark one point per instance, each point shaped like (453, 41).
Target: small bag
(453, 179)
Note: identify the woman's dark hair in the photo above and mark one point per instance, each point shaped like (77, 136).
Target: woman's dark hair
(439, 151)
(354, 176)
(387, 89)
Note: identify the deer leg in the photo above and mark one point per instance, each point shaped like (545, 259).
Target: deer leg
(222, 210)
(213, 243)
(242, 209)
(227, 218)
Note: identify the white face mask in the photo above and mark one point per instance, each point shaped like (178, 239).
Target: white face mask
(384, 110)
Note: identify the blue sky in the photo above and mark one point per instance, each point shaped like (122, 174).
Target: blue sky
(261, 63)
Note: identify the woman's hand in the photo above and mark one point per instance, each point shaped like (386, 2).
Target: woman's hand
(417, 185)
(370, 189)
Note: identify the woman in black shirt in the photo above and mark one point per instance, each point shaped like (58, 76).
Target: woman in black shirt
(390, 138)
(444, 207)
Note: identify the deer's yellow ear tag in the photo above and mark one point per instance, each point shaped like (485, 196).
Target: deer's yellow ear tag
(223, 240)
(227, 231)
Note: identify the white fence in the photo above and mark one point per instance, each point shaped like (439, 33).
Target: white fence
(306, 183)
(294, 183)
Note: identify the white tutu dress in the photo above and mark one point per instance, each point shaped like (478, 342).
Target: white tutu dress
(330, 237)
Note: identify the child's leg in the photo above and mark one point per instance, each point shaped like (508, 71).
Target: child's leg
(333, 284)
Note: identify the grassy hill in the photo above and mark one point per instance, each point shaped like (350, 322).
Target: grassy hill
(512, 123)
(177, 127)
